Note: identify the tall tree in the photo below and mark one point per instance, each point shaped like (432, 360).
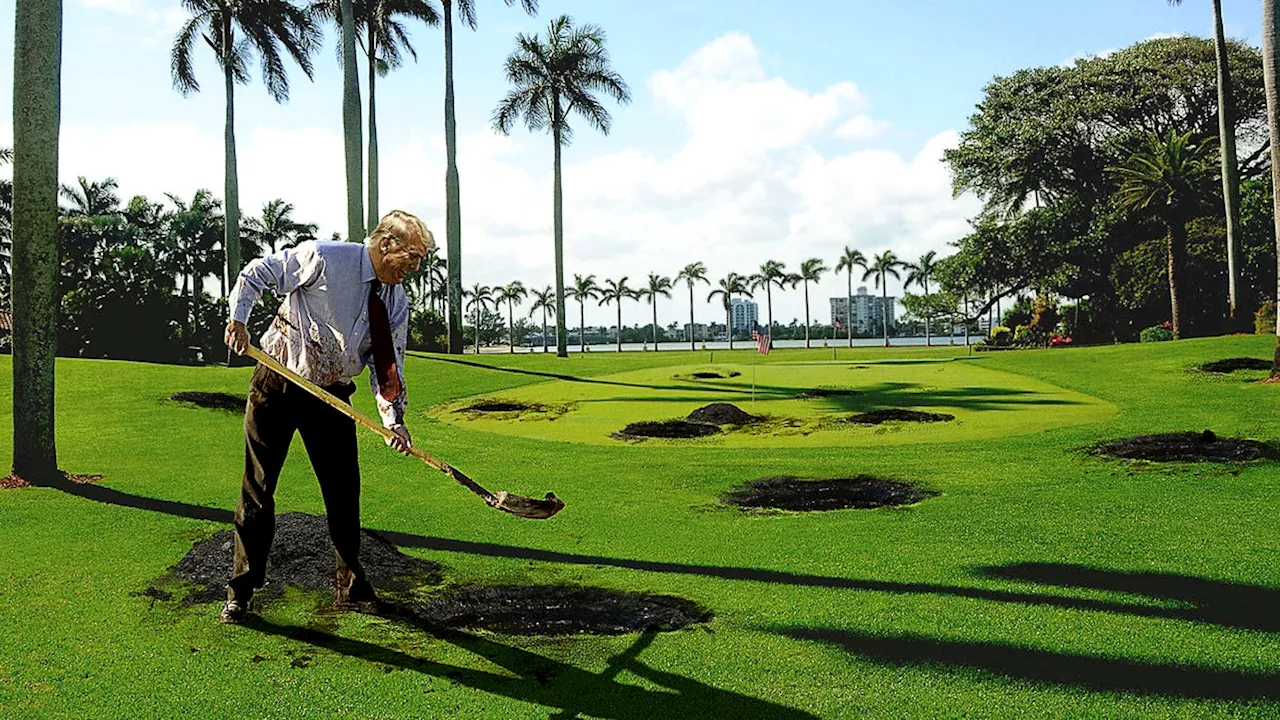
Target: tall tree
(883, 265)
(730, 285)
(544, 300)
(1271, 76)
(848, 259)
(352, 132)
(512, 293)
(810, 271)
(1166, 178)
(918, 273)
(89, 199)
(481, 299)
(235, 29)
(616, 292)
(772, 274)
(552, 78)
(692, 273)
(453, 201)
(37, 96)
(658, 285)
(437, 269)
(584, 288)
(276, 230)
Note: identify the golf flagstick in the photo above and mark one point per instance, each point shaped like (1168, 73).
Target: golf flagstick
(515, 504)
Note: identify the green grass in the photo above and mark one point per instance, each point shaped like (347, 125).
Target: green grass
(1041, 582)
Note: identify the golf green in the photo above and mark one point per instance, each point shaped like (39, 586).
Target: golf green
(800, 404)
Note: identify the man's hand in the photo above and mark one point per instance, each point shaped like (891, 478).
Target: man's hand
(400, 441)
(236, 337)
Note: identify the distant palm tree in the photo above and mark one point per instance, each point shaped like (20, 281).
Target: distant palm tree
(658, 285)
(276, 230)
(544, 300)
(551, 78)
(437, 271)
(847, 261)
(918, 273)
(481, 300)
(6, 218)
(692, 273)
(90, 199)
(453, 197)
(511, 294)
(584, 288)
(730, 285)
(810, 271)
(1166, 178)
(772, 274)
(194, 231)
(883, 265)
(263, 26)
(616, 292)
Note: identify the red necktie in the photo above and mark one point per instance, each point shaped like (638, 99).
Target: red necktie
(380, 332)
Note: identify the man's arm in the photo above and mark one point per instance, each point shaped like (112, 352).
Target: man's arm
(393, 410)
(282, 272)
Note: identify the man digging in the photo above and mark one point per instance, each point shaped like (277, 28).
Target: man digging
(343, 309)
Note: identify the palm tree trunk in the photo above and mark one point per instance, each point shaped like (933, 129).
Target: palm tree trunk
(557, 200)
(926, 317)
(544, 330)
(768, 292)
(728, 320)
(511, 331)
(619, 325)
(37, 80)
(691, 345)
(582, 328)
(1230, 171)
(655, 322)
(231, 220)
(351, 131)
(848, 307)
(806, 314)
(1176, 241)
(453, 201)
(372, 43)
(884, 306)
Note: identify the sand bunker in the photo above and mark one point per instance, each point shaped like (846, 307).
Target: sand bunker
(1230, 365)
(13, 482)
(213, 400)
(721, 414)
(875, 417)
(302, 556)
(554, 610)
(666, 429)
(1186, 447)
(791, 493)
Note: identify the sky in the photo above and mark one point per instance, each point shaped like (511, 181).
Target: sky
(756, 130)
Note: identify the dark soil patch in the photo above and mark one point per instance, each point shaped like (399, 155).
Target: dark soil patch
(666, 429)
(791, 493)
(1186, 447)
(555, 610)
(495, 407)
(824, 393)
(875, 417)
(715, 375)
(721, 414)
(302, 556)
(13, 482)
(213, 400)
(1236, 363)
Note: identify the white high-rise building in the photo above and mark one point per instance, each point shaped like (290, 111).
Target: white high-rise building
(744, 314)
(867, 311)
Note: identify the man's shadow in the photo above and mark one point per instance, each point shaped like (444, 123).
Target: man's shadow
(547, 682)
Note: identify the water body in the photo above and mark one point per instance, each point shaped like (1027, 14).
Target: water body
(573, 347)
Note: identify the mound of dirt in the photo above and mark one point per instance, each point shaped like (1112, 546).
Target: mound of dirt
(301, 555)
(1237, 363)
(666, 429)
(555, 610)
(495, 407)
(213, 400)
(13, 482)
(823, 393)
(791, 493)
(875, 417)
(1186, 447)
(721, 414)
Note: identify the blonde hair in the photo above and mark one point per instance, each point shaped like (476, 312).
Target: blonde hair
(399, 226)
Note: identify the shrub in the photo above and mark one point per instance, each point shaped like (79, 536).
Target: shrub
(1056, 340)
(1001, 336)
(1023, 336)
(1264, 321)
(1156, 333)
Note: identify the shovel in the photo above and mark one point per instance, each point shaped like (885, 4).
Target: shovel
(515, 504)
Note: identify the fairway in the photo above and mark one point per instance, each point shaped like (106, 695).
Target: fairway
(984, 403)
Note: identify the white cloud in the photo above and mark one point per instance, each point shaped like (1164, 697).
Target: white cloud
(861, 128)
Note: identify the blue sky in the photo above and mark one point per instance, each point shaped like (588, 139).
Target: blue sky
(757, 130)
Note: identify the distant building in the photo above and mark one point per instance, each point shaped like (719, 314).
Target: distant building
(699, 332)
(868, 312)
(745, 314)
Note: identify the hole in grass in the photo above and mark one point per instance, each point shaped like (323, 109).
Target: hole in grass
(559, 610)
(495, 407)
(721, 414)
(824, 392)
(1186, 447)
(707, 375)
(666, 429)
(792, 493)
(1230, 365)
(875, 417)
(212, 400)
(302, 556)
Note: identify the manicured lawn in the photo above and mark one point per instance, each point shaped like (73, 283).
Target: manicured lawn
(1040, 582)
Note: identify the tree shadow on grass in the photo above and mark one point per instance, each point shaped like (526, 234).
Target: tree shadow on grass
(549, 683)
(1094, 673)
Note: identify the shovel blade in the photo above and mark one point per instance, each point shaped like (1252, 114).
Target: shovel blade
(526, 507)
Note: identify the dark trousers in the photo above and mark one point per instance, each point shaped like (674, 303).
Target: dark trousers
(275, 409)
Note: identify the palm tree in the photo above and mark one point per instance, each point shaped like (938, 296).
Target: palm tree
(730, 285)
(1230, 170)
(91, 199)
(773, 273)
(847, 261)
(584, 288)
(1270, 79)
(883, 265)
(263, 26)
(551, 78)
(481, 300)
(351, 129)
(276, 230)
(384, 39)
(658, 285)
(616, 292)
(453, 201)
(918, 273)
(511, 294)
(37, 40)
(437, 270)
(544, 300)
(692, 273)
(1165, 178)
(6, 218)
(810, 271)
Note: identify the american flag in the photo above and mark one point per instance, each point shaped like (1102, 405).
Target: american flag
(762, 340)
